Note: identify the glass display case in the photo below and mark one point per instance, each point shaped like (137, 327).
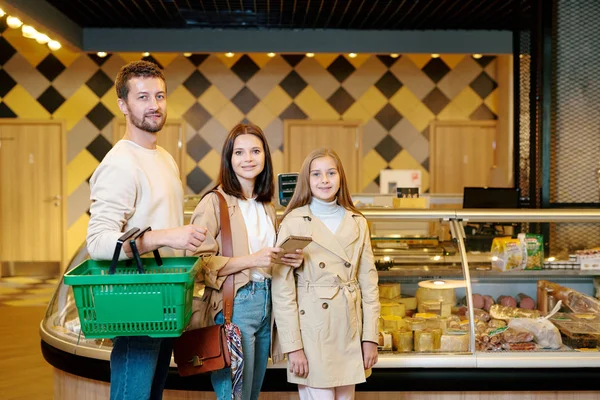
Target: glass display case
(447, 302)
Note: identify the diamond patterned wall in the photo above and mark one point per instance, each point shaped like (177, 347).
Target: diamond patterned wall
(396, 98)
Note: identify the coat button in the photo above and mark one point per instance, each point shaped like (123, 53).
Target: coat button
(301, 312)
(347, 265)
(321, 265)
(325, 306)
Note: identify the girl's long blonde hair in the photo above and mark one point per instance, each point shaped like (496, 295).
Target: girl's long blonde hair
(303, 195)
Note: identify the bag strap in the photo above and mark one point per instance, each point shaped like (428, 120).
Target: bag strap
(227, 251)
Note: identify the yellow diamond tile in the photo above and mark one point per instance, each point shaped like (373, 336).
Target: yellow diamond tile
(373, 163)
(260, 115)
(325, 59)
(76, 234)
(420, 60)
(28, 302)
(189, 165)
(165, 58)
(129, 57)
(110, 101)
(315, 106)
(25, 106)
(491, 101)
(229, 61)
(52, 281)
(7, 290)
(356, 112)
(372, 101)
(405, 161)
(67, 56)
(24, 280)
(405, 101)
(492, 68)
(277, 158)
(452, 113)
(213, 100)
(452, 60)
(261, 59)
(78, 170)
(48, 290)
(358, 60)
(277, 100)
(419, 117)
(210, 164)
(229, 116)
(31, 50)
(467, 100)
(179, 101)
(76, 106)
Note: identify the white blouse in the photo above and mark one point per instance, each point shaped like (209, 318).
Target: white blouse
(261, 233)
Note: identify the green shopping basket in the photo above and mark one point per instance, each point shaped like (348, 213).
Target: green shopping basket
(114, 299)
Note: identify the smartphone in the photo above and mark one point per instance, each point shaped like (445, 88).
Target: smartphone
(293, 243)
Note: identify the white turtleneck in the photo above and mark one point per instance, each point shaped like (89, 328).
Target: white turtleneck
(331, 214)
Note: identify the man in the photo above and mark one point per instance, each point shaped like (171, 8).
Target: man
(137, 185)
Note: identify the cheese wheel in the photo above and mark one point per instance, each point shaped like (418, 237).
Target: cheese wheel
(410, 303)
(393, 323)
(416, 324)
(427, 340)
(454, 343)
(389, 290)
(389, 308)
(402, 340)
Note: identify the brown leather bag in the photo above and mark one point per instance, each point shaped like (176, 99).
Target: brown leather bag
(205, 349)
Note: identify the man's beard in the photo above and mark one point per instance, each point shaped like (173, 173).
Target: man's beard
(147, 125)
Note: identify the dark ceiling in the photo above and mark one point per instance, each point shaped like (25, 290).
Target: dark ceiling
(300, 14)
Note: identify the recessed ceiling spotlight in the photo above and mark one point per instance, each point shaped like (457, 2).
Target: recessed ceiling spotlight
(54, 45)
(435, 55)
(394, 55)
(477, 56)
(352, 55)
(42, 38)
(28, 31)
(229, 54)
(271, 54)
(13, 22)
(2, 13)
(101, 54)
(310, 55)
(146, 54)
(187, 54)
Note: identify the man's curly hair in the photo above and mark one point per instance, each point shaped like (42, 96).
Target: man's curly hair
(136, 69)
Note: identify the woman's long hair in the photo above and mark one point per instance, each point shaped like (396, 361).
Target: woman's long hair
(303, 195)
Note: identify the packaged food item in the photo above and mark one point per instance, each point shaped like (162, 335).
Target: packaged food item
(498, 311)
(507, 253)
(544, 332)
(533, 250)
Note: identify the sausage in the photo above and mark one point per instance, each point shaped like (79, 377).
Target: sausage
(478, 301)
(525, 301)
(507, 301)
(488, 302)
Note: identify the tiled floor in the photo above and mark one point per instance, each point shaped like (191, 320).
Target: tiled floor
(26, 290)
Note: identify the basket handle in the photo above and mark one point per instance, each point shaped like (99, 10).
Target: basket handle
(120, 241)
(136, 253)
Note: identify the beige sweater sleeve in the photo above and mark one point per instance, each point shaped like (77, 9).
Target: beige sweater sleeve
(368, 281)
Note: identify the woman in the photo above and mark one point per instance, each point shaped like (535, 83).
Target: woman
(246, 182)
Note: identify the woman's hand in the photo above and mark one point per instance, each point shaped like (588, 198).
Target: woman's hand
(265, 257)
(294, 260)
(369, 350)
(299, 363)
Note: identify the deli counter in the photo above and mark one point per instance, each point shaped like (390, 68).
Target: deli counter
(463, 310)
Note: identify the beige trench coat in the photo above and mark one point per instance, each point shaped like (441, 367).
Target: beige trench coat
(330, 304)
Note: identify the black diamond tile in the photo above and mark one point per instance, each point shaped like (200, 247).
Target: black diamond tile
(341, 68)
(293, 112)
(153, 60)
(425, 164)
(197, 58)
(293, 84)
(197, 180)
(3, 25)
(341, 100)
(425, 133)
(387, 60)
(245, 100)
(6, 112)
(99, 60)
(197, 148)
(197, 83)
(388, 148)
(388, 84)
(99, 147)
(293, 59)
(388, 117)
(485, 60)
(436, 69)
(483, 85)
(197, 116)
(245, 68)
(100, 116)
(50, 67)
(51, 99)
(6, 83)
(6, 51)
(482, 113)
(436, 101)
(100, 83)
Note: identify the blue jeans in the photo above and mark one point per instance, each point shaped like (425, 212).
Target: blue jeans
(138, 367)
(252, 314)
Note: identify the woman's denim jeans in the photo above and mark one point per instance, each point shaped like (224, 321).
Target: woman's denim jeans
(252, 314)
(138, 367)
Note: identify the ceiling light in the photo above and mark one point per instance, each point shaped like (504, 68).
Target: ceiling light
(2, 13)
(229, 54)
(42, 38)
(477, 56)
(352, 55)
(28, 31)
(54, 45)
(187, 54)
(101, 54)
(394, 55)
(435, 55)
(146, 54)
(271, 54)
(521, 56)
(310, 55)
(13, 22)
